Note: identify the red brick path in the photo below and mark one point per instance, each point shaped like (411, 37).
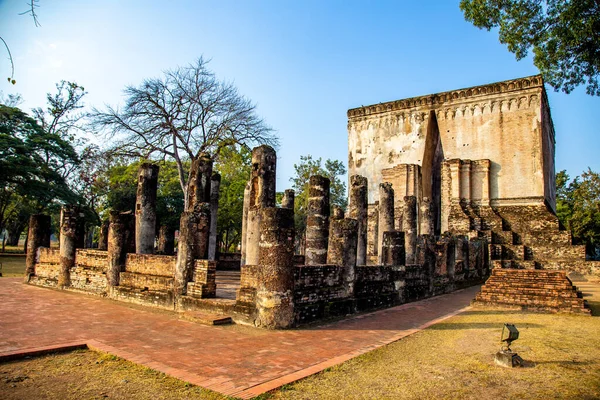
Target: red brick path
(240, 362)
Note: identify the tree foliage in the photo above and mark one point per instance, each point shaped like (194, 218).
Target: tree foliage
(186, 112)
(30, 162)
(578, 208)
(564, 36)
(234, 165)
(307, 167)
(120, 188)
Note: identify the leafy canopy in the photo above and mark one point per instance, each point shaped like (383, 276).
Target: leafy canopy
(563, 34)
(307, 167)
(181, 115)
(578, 208)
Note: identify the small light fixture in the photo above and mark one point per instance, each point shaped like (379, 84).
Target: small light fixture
(510, 333)
(505, 357)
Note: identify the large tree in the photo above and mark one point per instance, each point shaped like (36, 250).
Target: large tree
(578, 208)
(181, 115)
(31, 160)
(563, 34)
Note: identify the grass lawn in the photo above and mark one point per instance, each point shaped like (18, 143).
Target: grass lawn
(453, 359)
(12, 265)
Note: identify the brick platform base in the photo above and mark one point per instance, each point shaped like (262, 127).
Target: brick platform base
(536, 290)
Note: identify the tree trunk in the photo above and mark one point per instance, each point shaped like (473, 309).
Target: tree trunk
(38, 236)
(13, 236)
(103, 239)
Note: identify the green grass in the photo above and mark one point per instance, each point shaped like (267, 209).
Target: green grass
(12, 265)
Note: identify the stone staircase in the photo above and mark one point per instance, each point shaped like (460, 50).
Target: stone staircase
(536, 290)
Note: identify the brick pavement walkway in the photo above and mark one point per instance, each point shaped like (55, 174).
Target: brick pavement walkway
(233, 360)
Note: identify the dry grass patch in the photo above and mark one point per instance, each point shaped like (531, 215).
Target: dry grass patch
(454, 359)
(91, 375)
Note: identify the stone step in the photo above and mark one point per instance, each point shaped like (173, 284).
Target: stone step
(206, 318)
(533, 301)
(528, 283)
(542, 292)
(515, 264)
(146, 282)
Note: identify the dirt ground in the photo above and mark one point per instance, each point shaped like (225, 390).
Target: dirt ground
(90, 375)
(452, 359)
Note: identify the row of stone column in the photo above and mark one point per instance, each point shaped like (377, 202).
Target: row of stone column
(387, 238)
(203, 189)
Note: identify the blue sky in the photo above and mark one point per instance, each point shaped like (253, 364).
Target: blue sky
(305, 63)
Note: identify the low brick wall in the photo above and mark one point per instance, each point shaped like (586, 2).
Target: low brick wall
(150, 264)
(89, 273)
(47, 270)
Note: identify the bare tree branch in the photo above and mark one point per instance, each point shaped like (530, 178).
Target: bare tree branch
(182, 114)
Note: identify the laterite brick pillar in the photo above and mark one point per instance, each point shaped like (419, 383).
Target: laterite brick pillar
(358, 211)
(386, 216)
(317, 220)
(262, 195)
(38, 236)
(103, 239)
(245, 223)
(184, 265)
(288, 199)
(145, 208)
(275, 290)
(426, 223)
(343, 238)
(68, 243)
(215, 184)
(119, 233)
(202, 231)
(409, 226)
(393, 248)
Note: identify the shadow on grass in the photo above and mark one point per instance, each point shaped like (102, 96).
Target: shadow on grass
(476, 325)
(492, 312)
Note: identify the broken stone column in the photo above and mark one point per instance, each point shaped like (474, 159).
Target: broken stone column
(386, 215)
(338, 213)
(288, 199)
(393, 248)
(317, 220)
(38, 236)
(358, 211)
(145, 208)
(426, 222)
(103, 238)
(119, 233)
(275, 289)
(373, 243)
(184, 265)
(245, 224)
(68, 239)
(199, 184)
(262, 195)
(343, 238)
(80, 232)
(202, 231)
(215, 183)
(409, 226)
(166, 240)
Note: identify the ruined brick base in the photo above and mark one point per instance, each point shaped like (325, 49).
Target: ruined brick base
(535, 290)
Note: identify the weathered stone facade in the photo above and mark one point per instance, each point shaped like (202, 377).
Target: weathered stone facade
(479, 162)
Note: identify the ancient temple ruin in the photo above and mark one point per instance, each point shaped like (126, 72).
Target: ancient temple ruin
(479, 162)
(445, 190)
